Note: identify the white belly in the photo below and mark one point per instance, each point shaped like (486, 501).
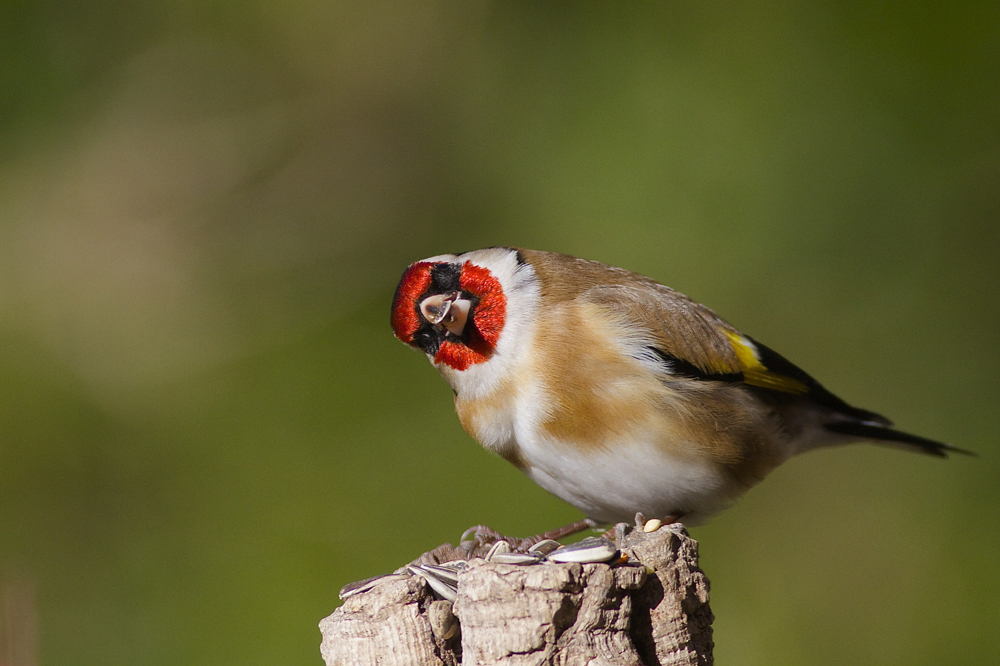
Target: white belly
(612, 484)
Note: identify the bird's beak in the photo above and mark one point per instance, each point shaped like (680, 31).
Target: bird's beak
(448, 310)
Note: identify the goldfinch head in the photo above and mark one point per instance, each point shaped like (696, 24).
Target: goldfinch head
(462, 310)
(452, 311)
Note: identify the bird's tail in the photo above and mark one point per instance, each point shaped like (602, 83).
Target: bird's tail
(883, 434)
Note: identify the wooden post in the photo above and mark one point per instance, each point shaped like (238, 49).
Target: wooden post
(651, 611)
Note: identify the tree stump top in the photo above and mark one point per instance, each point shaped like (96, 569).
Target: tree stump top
(652, 610)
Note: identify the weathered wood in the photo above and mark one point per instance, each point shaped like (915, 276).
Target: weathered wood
(651, 611)
(672, 623)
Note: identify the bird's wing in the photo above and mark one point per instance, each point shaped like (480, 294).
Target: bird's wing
(696, 343)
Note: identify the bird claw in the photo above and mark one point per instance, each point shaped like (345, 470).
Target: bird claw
(484, 537)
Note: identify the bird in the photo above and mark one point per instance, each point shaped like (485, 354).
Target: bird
(614, 392)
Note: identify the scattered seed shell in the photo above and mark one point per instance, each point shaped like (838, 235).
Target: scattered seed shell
(591, 549)
(498, 547)
(454, 565)
(360, 586)
(445, 574)
(652, 525)
(545, 546)
(517, 558)
(443, 589)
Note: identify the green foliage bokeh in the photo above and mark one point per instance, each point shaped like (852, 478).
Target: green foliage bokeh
(206, 426)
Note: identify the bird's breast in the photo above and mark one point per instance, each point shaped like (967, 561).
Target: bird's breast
(490, 419)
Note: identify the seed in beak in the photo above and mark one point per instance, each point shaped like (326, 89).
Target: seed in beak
(436, 308)
(448, 310)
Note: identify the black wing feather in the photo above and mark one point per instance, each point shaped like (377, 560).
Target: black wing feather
(888, 435)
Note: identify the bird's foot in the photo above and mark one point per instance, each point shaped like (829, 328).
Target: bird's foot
(480, 538)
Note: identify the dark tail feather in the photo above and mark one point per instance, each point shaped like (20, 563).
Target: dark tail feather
(886, 435)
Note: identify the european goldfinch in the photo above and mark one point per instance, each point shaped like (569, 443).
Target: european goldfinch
(614, 392)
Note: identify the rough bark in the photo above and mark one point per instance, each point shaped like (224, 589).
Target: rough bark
(651, 611)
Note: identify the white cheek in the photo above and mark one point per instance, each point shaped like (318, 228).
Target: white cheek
(520, 288)
(477, 380)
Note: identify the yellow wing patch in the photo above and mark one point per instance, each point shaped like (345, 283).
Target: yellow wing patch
(754, 372)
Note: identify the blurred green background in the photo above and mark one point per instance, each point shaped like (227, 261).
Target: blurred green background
(207, 428)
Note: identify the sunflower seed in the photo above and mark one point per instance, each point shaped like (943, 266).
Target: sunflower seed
(448, 575)
(360, 586)
(445, 590)
(517, 558)
(591, 549)
(545, 546)
(652, 525)
(498, 547)
(454, 565)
